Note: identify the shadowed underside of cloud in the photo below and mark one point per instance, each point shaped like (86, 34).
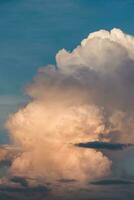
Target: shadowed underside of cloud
(67, 180)
(104, 145)
(22, 181)
(112, 182)
(39, 188)
(20, 189)
(21, 184)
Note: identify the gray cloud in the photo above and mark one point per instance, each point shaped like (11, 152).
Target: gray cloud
(21, 180)
(112, 182)
(104, 145)
(39, 188)
(67, 180)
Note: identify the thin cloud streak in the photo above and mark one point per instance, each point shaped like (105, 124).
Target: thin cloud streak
(98, 145)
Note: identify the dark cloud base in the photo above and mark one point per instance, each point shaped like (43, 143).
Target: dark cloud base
(112, 182)
(23, 193)
(104, 189)
(115, 191)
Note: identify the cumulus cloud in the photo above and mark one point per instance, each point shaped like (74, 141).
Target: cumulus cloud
(88, 95)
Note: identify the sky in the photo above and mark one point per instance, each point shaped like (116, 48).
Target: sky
(32, 32)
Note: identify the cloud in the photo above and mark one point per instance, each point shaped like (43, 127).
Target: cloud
(8, 104)
(67, 180)
(32, 190)
(21, 180)
(98, 145)
(112, 182)
(88, 95)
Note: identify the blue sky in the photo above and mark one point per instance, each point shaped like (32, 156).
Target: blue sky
(31, 32)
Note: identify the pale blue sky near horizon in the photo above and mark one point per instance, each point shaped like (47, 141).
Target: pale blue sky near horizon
(32, 31)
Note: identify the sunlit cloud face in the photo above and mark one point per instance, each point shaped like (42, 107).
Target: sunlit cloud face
(88, 96)
(48, 135)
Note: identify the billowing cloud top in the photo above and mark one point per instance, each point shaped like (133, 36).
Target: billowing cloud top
(98, 50)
